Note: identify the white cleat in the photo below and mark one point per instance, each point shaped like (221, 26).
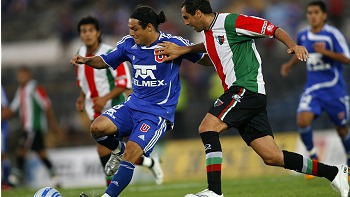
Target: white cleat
(205, 193)
(340, 182)
(113, 163)
(157, 171)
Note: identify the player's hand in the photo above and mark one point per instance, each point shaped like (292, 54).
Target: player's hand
(300, 51)
(170, 50)
(77, 60)
(79, 104)
(319, 46)
(99, 103)
(285, 69)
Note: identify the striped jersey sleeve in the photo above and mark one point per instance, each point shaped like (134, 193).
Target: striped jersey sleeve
(123, 77)
(254, 26)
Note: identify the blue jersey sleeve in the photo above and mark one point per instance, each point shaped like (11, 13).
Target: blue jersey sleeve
(193, 57)
(114, 58)
(340, 44)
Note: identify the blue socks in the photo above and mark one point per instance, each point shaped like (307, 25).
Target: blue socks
(306, 137)
(121, 179)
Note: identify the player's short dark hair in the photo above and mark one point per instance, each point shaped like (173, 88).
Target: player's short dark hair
(193, 5)
(145, 14)
(90, 20)
(320, 4)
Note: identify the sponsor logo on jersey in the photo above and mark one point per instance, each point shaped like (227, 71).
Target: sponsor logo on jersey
(220, 39)
(146, 72)
(237, 98)
(218, 102)
(145, 127)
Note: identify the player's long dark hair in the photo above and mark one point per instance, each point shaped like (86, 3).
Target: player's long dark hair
(90, 20)
(192, 5)
(145, 14)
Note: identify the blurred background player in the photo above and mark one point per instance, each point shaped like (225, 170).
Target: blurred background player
(36, 114)
(325, 88)
(102, 89)
(5, 162)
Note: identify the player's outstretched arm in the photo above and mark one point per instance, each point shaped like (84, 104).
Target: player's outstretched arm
(173, 51)
(95, 62)
(300, 51)
(287, 66)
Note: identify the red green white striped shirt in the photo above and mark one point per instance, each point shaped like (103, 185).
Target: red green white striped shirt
(99, 82)
(32, 103)
(231, 47)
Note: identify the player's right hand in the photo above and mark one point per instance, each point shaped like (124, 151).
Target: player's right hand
(77, 59)
(285, 69)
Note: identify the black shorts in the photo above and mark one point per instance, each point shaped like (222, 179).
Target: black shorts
(32, 140)
(244, 110)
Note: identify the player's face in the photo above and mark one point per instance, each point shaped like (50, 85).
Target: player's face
(136, 31)
(89, 35)
(23, 77)
(315, 16)
(192, 20)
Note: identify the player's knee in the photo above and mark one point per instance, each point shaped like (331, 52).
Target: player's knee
(96, 130)
(303, 123)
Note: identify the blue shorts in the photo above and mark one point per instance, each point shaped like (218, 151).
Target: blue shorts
(337, 108)
(143, 128)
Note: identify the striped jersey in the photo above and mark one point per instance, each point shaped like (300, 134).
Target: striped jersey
(230, 44)
(156, 84)
(324, 75)
(99, 82)
(32, 103)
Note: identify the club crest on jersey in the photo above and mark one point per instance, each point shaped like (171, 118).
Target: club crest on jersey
(145, 127)
(218, 102)
(220, 39)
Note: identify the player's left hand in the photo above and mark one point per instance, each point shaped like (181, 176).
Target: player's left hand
(99, 103)
(169, 49)
(300, 51)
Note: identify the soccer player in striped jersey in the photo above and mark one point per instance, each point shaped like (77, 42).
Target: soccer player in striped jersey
(149, 111)
(36, 114)
(229, 41)
(325, 88)
(102, 89)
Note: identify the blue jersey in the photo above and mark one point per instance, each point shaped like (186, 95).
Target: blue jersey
(156, 85)
(324, 75)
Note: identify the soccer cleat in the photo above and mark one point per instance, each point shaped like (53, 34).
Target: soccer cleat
(157, 171)
(205, 193)
(340, 182)
(113, 163)
(83, 195)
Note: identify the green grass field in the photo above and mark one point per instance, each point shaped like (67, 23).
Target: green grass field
(276, 186)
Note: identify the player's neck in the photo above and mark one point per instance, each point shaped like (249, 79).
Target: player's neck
(152, 39)
(209, 19)
(317, 29)
(92, 48)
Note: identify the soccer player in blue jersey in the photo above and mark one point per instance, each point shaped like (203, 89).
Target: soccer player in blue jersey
(149, 111)
(325, 88)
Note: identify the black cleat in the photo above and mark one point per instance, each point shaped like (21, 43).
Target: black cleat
(83, 195)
